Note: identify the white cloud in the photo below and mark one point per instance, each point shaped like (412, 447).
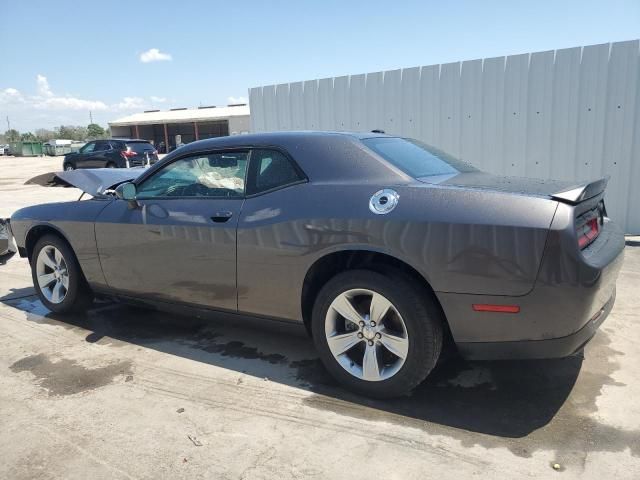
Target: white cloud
(233, 100)
(43, 86)
(154, 55)
(10, 95)
(130, 103)
(47, 100)
(70, 103)
(46, 108)
(11, 92)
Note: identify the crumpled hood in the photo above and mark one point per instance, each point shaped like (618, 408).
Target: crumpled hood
(93, 181)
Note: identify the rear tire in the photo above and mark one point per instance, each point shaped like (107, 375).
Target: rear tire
(57, 276)
(111, 165)
(384, 358)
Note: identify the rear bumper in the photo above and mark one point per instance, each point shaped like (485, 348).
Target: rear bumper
(573, 294)
(141, 162)
(537, 349)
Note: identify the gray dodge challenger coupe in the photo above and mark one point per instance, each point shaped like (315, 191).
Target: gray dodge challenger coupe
(385, 248)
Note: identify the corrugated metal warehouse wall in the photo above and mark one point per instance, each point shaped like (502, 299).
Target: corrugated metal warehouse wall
(568, 114)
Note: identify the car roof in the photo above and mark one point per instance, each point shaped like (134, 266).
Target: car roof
(275, 139)
(128, 140)
(282, 136)
(323, 155)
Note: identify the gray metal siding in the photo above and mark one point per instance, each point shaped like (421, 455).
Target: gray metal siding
(571, 114)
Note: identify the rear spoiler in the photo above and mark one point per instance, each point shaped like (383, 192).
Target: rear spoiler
(580, 193)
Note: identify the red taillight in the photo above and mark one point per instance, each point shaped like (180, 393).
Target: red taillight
(588, 232)
(128, 153)
(484, 307)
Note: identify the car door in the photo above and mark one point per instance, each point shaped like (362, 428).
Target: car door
(270, 235)
(98, 158)
(81, 159)
(177, 242)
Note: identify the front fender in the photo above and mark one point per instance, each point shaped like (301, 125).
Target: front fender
(73, 221)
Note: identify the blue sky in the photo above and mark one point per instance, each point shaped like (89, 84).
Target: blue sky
(62, 58)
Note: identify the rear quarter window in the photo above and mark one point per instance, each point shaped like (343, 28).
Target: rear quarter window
(271, 169)
(415, 158)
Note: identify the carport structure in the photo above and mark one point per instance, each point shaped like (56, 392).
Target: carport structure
(185, 125)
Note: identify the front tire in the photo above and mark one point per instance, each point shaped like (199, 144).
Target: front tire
(376, 334)
(68, 167)
(57, 276)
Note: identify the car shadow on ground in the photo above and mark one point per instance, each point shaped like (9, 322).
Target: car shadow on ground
(505, 399)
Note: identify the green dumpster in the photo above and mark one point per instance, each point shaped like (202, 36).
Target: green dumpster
(48, 149)
(26, 149)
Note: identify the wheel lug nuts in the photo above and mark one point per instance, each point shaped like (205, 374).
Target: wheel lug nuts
(371, 343)
(360, 335)
(373, 324)
(378, 335)
(362, 324)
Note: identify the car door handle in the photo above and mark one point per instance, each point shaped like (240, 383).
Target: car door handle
(221, 217)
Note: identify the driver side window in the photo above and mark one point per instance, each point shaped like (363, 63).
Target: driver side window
(217, 175)
(88, 148)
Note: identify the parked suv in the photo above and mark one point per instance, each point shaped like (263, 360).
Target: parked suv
(118, 153)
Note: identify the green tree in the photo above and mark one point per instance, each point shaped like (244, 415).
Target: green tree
(95, 131)
(28, 137)
(12, 135)
(71, 132)
(81, 133)
(44, 134)
(65, 132)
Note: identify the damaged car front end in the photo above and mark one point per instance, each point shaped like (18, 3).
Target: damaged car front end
(7, 244)
(97, 184)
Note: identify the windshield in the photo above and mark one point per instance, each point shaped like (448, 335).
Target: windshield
(415, 158)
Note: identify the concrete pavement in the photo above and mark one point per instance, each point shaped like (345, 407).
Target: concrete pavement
(121, 392)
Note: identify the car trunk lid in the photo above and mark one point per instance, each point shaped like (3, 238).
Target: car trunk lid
(562, 191)
(586, 197)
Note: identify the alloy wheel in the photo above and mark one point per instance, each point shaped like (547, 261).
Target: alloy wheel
(52, 274)
(366, 334)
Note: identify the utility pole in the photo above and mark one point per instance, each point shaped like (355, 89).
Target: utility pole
(8, 123)
(90, 117)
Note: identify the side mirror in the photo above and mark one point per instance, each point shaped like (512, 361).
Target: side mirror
(126, 191)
